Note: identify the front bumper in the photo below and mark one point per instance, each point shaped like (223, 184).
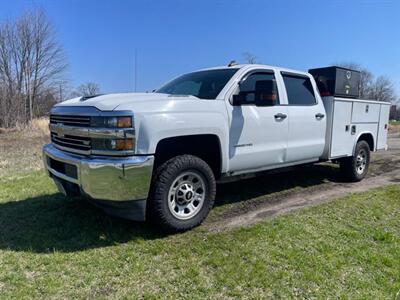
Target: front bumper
(110, 179)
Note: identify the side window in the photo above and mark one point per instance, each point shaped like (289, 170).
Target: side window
(299, 90)
(259, 88)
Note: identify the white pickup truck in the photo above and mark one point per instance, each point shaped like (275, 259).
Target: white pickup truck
(159, 155)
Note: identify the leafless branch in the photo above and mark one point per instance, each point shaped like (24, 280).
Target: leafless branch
(87, 89)
(250, 58)
(32, 64)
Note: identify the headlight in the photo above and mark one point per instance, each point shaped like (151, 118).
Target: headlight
(112, 122)
(116, 135)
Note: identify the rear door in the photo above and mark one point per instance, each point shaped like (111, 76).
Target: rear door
(383, 126)
(307, 120)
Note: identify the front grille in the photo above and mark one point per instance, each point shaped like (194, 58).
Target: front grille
(72, 142)
(81, 121)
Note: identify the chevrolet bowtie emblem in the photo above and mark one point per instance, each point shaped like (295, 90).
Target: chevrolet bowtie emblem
(59, 130)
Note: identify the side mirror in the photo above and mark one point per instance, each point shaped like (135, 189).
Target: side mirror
(265, 102)
(237, 100)
(265, 94)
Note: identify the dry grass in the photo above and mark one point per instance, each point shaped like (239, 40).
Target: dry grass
(394, 127)
(21, 147)
(37, 127)
(40, 125)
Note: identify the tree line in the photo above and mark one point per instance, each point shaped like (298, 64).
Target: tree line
(32, 69)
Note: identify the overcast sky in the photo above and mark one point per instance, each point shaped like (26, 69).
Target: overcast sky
(173, 37)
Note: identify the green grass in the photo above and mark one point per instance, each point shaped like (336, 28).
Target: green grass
(394, 122)
(53, 247)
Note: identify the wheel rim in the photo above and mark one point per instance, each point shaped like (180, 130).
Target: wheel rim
(361, 161)
(186, 195)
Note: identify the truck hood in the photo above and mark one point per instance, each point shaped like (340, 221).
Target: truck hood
(110, 102)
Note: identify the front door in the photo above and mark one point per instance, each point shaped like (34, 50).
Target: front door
(258, 134)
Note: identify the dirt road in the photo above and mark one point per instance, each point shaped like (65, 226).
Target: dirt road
(254, 200)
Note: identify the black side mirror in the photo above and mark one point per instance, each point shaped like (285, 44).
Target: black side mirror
(265, 102)
(265, 94)
(237, 100)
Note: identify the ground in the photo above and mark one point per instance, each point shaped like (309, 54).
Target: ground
(302, 186)
(256, 243)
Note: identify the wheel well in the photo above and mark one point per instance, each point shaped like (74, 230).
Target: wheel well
(369, 139)
(205, 146)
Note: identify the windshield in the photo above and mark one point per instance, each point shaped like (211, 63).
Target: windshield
(203, 84)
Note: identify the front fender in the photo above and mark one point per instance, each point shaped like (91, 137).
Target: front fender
(154, 127)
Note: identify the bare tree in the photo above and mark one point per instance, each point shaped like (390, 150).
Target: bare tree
(32, 63)
(380, 89)
(383, 90)
(87, 89)
(250, 58)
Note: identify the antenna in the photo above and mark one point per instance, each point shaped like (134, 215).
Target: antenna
(135, 86)
(232, 63)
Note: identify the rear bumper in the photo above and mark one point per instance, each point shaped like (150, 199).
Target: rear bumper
(120, 179)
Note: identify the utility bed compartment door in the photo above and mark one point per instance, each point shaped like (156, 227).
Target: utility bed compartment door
(365, 112)
(342, 140)
(383, 127)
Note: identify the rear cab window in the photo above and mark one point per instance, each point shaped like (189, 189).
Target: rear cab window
(299, 89)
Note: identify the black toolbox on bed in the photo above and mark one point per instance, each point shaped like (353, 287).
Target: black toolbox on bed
(337, 81)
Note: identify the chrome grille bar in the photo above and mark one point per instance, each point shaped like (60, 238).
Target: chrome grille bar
(72, 142)
(82, 121)
(93, 132)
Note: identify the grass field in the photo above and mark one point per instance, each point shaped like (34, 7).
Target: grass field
(394, 122)
(52, 247)
(21, 148)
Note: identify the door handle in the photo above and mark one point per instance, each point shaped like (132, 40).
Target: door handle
(280, 116)
(319, 116)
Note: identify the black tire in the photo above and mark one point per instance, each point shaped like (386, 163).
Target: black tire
(162, 196)
(351, 168)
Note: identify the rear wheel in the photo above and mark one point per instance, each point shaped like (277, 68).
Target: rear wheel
(182, 193)
(356, 167)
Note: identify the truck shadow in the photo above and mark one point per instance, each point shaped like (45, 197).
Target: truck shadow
(49, 223)
(306, 176)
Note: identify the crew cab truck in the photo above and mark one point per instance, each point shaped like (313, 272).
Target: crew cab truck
(159, 155)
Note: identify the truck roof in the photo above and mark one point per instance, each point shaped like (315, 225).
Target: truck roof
(255, 66)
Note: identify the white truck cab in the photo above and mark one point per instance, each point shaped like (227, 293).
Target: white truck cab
(158, 155)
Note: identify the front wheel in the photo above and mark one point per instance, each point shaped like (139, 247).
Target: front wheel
(356, 167)
(182, 193)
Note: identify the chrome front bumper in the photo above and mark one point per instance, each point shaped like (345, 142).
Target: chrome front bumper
(113, 179)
